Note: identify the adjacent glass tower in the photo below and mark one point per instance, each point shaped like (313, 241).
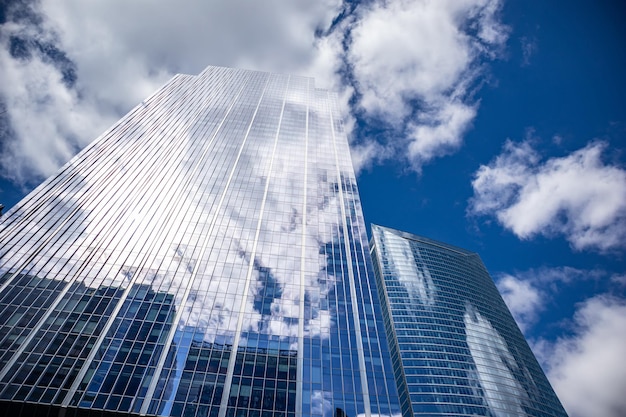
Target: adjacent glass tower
(206, 256)
(456, 349)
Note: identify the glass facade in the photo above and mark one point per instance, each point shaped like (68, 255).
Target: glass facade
(456, 349)
(205, 256)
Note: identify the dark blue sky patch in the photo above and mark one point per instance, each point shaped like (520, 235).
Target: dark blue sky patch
(269, 291)
(19, 48)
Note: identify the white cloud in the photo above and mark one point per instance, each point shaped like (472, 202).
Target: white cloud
(121, 55)
(523, 299)
(369, 152)
(439, 132)
(528, 293)
(578, 195)
(581, 366)
(399, 54)
(403, 50)
(183, 35)
(424, 53)
(585, 368)
(49, 122)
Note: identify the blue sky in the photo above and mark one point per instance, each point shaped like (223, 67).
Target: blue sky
(496, 126)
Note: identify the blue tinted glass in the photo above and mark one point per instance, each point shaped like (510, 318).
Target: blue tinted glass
(456, 347)
(205, 256)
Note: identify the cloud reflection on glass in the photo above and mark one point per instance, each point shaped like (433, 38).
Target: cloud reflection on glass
(223, 215)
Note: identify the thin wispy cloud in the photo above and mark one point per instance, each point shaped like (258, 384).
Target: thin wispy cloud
(529, 48)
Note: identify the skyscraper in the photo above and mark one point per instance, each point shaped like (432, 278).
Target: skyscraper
(456, 349)
(205, 256)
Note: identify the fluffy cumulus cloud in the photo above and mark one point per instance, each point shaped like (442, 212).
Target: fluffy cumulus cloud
(578, 196)
(182, 35)
(45, 120)
(68, 69)
(585, 368)
(414, 65)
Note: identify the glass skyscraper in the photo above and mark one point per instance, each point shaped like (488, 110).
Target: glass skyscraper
(205, 256)
(456, 349)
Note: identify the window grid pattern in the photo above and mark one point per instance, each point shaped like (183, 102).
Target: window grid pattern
(205, 256)
(456, 349)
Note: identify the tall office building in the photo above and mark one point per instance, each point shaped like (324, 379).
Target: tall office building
(456, 349)
(206, 256)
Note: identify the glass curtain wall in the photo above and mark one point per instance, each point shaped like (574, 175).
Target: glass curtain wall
(205, 256)
(456, 349)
